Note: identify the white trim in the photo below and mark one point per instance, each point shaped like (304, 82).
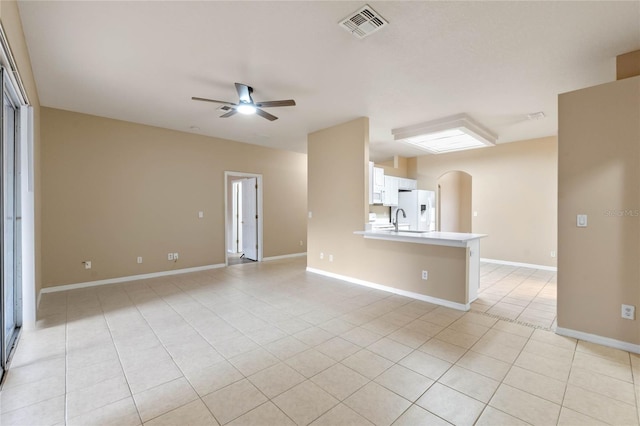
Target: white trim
(55, 289)
(418, 296)
(8, 61)
(285, 256)
(594, 338)
(520, 264)
(29, 299)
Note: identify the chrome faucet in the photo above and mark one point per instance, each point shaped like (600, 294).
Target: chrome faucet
(404, 215)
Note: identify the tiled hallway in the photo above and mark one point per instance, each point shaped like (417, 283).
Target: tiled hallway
(269, 344)
(521, 294)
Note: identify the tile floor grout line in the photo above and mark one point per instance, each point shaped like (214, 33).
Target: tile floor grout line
(486, 404)
(532, 273)
(506, 375)
(227, 359)
(434, 381)
(538, 292)
(66, 361)
(113, 342)
(589, 390)
(470, 349)
(566, 386)
(159, 297)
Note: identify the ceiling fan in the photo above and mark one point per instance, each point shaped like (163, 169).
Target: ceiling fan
(247, 106)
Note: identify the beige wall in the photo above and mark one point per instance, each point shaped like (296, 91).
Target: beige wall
(397, 166)
(514, 192)
(599, 175)
(628, 65)
(12, 25)
(339, 205)
(114, 190)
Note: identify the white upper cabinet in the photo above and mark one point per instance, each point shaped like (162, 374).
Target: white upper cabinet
(376, 184)
(370, 182)
(408, 184)
(390, 195)
(384, 189)
(378, 179)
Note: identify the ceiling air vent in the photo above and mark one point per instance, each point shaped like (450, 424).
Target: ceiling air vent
(224, 108)
(363, 22)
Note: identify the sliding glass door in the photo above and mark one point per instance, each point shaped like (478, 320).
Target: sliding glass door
(10, 259)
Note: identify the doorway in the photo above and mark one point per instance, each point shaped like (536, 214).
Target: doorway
(10, 225)
(454, 202)
(243, 217)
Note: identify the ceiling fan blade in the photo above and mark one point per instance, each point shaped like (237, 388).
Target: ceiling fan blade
(244, 92)
(229, 114)
(265, 114)
(212, 100)
(270, 104)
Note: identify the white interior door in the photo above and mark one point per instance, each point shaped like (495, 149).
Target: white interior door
(236, 219)
(250, 218)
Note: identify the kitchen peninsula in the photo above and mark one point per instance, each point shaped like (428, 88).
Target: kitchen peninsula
(451, 261)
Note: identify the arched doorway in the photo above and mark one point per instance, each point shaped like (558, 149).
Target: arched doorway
(454, 202)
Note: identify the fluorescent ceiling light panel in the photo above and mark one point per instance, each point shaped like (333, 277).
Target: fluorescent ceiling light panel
(449, 134)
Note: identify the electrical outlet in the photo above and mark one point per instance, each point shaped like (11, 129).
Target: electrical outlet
(175, 256)
(321, 256)
(330, 258)
(170, 256)
(628, 312)
(200, 215)
(87, 264)
(300, 243)
(425, 275)
(310, 215)
(139, 259)
(553, 253)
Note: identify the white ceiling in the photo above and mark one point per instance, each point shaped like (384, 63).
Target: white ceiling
(496, 61)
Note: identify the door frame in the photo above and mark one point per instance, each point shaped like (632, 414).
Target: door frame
(229, 176)
(236, 212)
(9, 93)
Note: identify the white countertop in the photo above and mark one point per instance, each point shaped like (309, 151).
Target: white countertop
(453, 239)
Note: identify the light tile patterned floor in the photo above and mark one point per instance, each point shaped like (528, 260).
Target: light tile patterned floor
(522, 294)
(269, 344)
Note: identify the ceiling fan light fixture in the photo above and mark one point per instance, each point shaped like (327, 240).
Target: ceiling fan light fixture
(246, 105)
(449, 134)
(246, 109)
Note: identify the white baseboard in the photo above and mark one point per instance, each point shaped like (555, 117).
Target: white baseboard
(284, 256)
(125, 279)
(418, 296)
(594, 338)
(520, 264)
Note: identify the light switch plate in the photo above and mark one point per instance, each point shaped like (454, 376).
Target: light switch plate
(581, 221)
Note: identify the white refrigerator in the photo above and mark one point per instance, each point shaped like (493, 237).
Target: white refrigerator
(420, 207)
